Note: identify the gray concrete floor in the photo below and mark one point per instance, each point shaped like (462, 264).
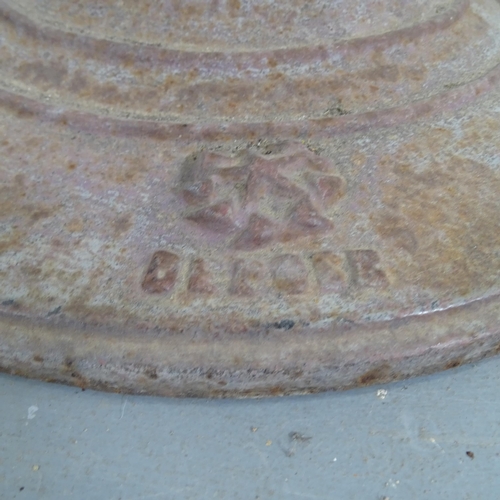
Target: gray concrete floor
(436, 437)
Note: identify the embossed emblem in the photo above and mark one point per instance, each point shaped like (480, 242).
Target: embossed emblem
(249, 202)
(259, 199)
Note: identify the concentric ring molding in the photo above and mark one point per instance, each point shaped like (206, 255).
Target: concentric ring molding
(228, 219)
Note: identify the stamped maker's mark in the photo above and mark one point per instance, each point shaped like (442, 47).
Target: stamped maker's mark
(250, 202)
(288, 274)
(255, 199)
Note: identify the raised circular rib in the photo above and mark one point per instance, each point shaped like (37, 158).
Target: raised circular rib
(234, 25)
(448, 101)
(347, 77)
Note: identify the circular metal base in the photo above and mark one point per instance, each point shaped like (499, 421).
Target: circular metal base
(219, 205)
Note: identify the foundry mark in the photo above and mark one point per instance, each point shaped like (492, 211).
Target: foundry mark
(290, 274)
(255, 200)
(252, 201)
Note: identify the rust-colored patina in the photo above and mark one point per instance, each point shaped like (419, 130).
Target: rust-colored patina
(248, 197)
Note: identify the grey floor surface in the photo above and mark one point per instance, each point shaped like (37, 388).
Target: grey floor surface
(436, 437)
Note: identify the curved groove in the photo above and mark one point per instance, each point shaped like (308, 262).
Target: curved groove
(451, 100)
(338, 327)
(228, 62)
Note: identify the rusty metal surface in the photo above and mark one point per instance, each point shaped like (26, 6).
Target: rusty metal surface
(248, 197)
